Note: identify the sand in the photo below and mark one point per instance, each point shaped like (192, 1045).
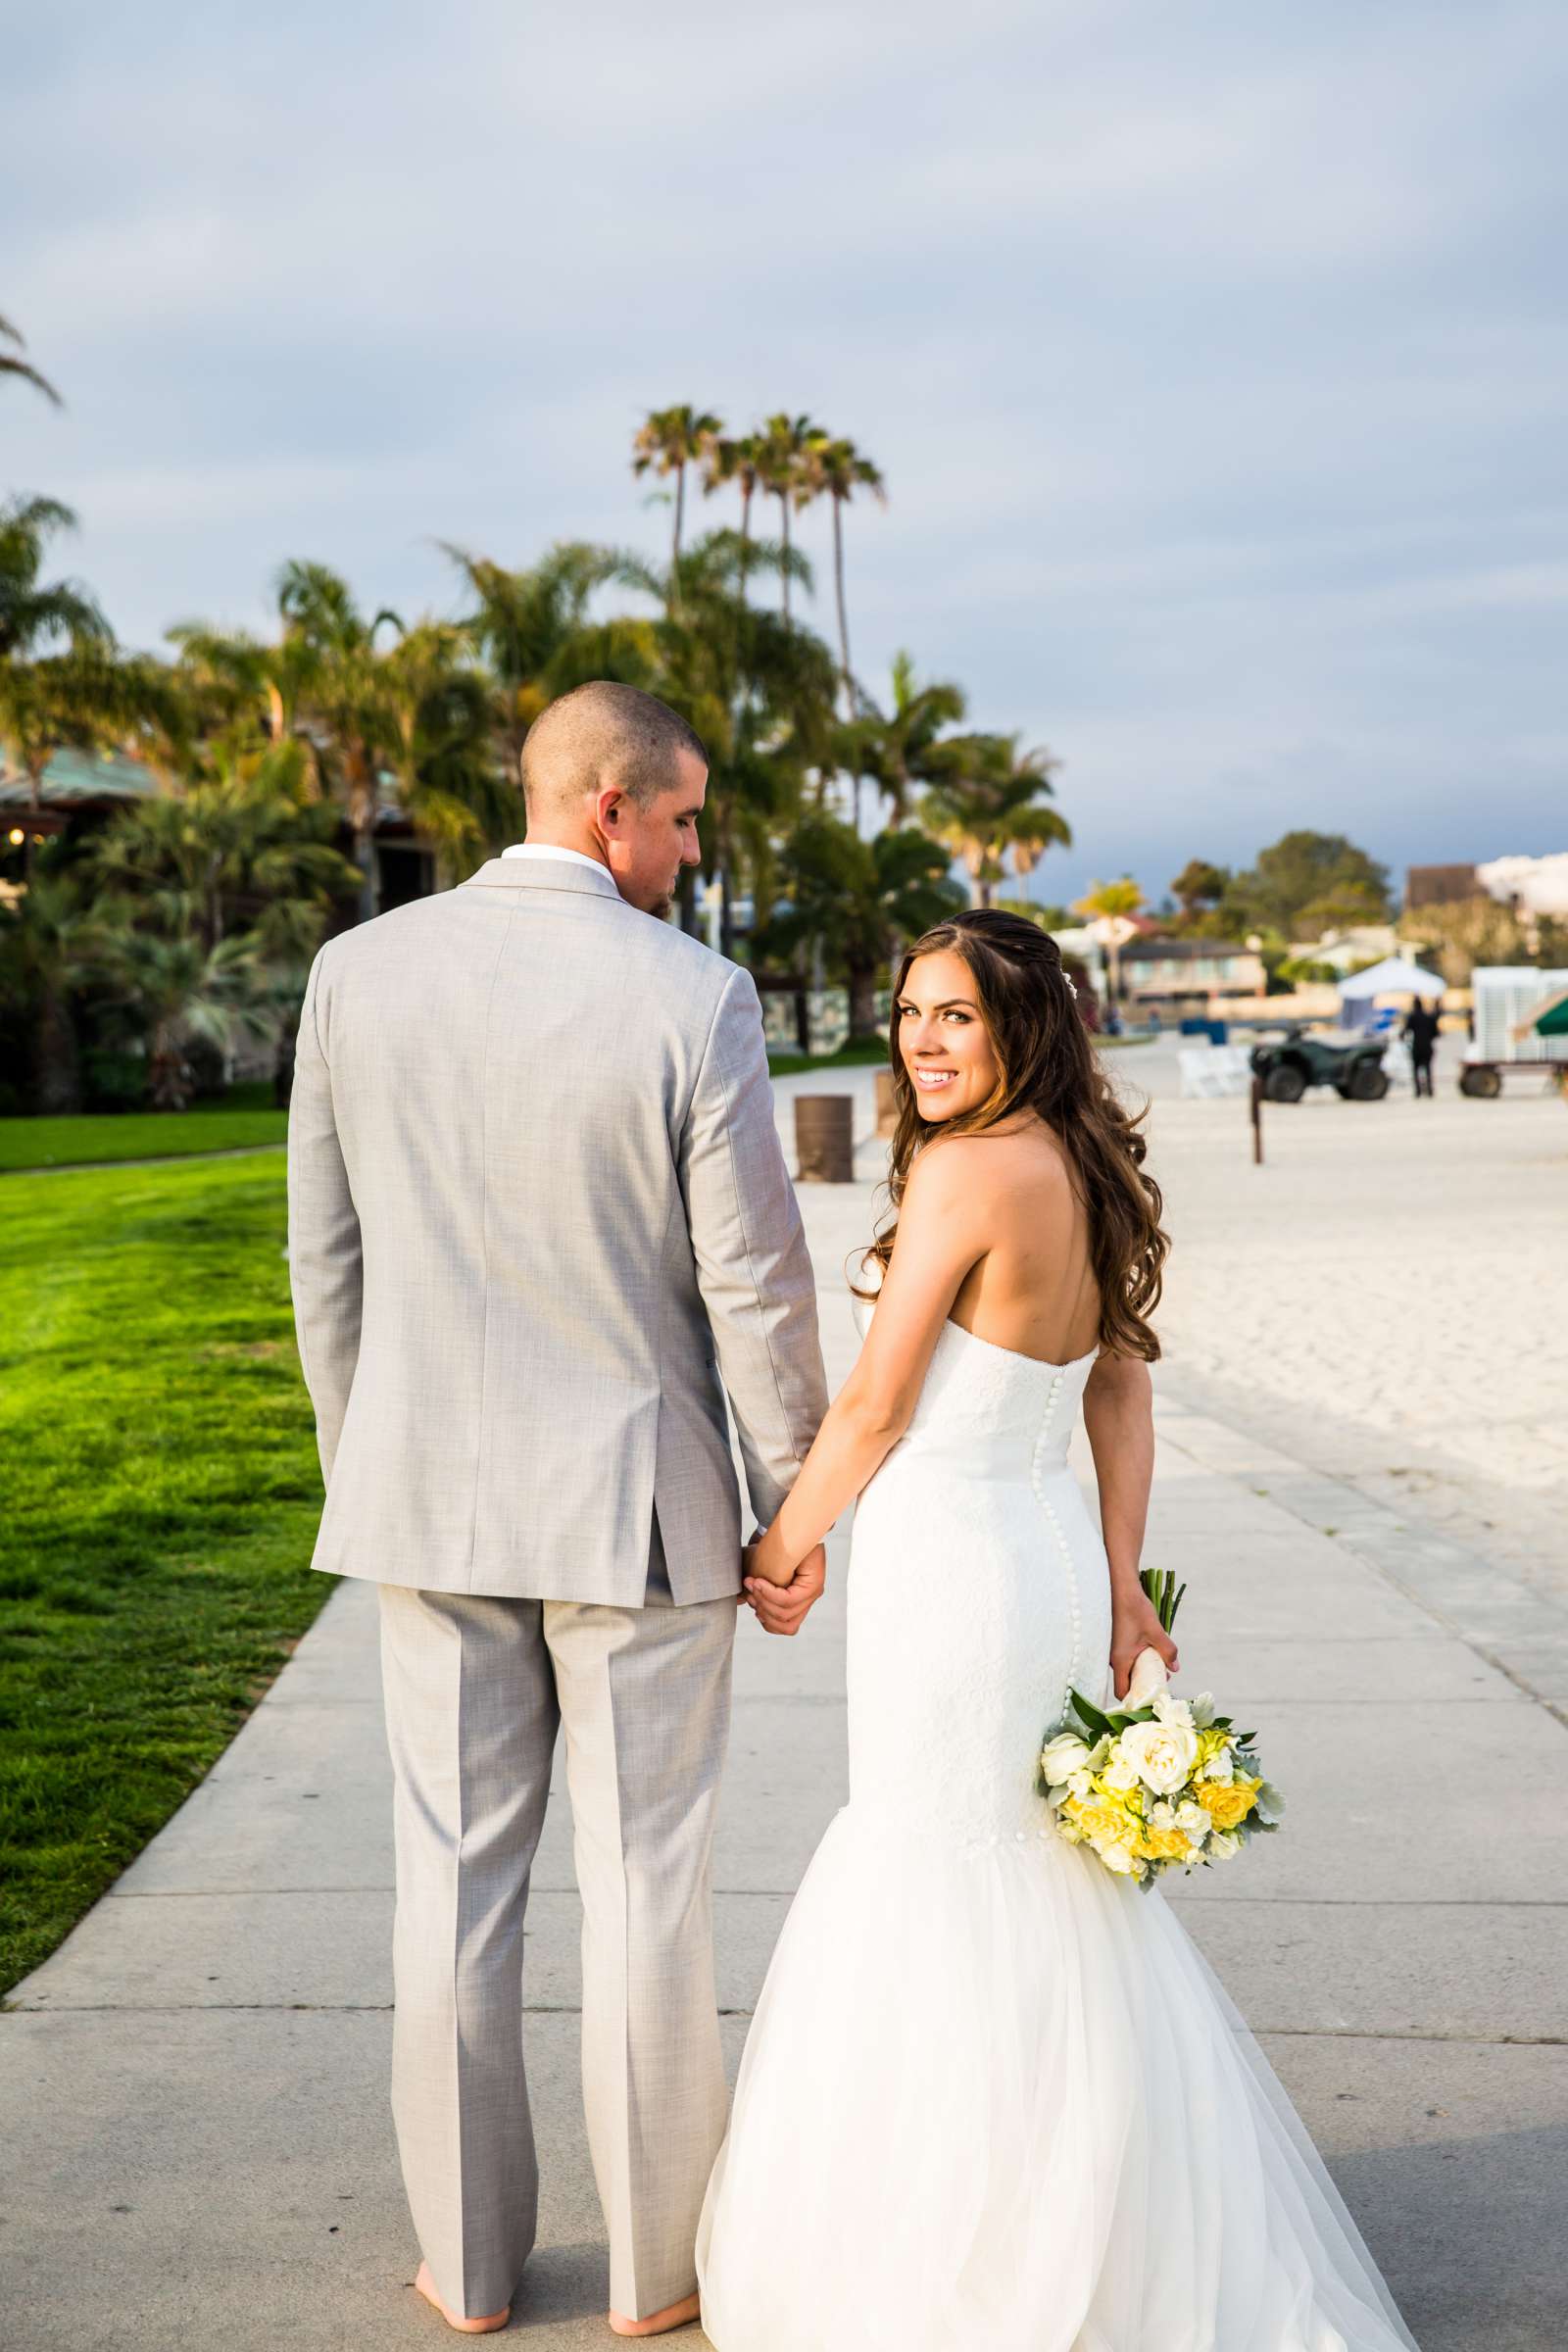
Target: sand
(1385, 1299)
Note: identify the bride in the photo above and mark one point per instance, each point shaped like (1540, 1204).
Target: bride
(992, 2095)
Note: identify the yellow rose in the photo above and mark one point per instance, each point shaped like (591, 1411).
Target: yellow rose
(1103, 1824)
(1164, 1845)
(1228, 1804)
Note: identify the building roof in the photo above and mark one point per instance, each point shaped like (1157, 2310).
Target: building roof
(74, 777)
(1440, 885)
(78, 779)
(1180, 951)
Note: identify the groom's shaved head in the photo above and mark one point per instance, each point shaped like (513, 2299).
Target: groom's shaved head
(604, 734)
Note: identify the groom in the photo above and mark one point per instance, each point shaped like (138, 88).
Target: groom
(539, 1227)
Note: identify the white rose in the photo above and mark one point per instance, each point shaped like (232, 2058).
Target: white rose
(1149, 1676)
(1121, 1774)
(1172, 1710)
(1164, 1753)
(1162, 1815)
(1193, 1822)
(1062, 1756)
(1081, 1784)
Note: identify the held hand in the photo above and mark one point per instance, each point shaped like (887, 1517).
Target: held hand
(781, 1608)
(1134, 1626)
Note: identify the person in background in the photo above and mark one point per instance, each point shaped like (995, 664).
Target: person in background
(1421, 1031)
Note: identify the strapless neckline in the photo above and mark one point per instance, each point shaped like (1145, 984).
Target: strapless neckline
(1017, 1356)
(865, 1309)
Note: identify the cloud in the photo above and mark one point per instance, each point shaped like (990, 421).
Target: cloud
(1211, 354)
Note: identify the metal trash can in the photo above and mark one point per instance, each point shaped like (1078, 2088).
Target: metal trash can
(825, 1137)
(887, 1109)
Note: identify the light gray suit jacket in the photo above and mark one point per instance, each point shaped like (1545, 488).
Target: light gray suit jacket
(539, 1225)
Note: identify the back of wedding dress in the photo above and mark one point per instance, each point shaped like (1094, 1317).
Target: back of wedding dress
(993, 2095)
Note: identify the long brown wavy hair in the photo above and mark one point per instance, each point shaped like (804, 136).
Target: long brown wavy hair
(1045, 1064)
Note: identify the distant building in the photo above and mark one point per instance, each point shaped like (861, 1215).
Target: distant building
(1348, 950)
(1439, 885)
(1192, 978)
(81, 789)
(79, 785)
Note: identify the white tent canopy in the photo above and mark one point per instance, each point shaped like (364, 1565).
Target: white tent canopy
(1395, 976)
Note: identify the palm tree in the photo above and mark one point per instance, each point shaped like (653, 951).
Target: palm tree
(988, 802)
(205, 860)
(65, 701)
(668, 441)
(1107, 906)
(758, 691)
(836, 469)
(346, 707)
(895, 748)
(181, 992)
(48, 698)
(33, 614)
(783, 470)
(534, 633)
(235, 681)
(855, 903)
(10, 364)
(452, 787)
(49, 946)
(735, 458)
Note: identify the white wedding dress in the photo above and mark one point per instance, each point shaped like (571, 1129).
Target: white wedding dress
(993, 2099)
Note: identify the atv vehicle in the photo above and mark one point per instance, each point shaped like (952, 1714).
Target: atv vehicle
(1287, 1065)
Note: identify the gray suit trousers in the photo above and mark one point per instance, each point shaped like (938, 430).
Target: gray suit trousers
(475, 1688)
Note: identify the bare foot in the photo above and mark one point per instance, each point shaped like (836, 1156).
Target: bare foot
(427, 2286)
(677, 2315)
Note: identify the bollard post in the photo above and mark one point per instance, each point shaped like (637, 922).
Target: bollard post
(824, 1139)
(1258, 1120)
(887, 1109)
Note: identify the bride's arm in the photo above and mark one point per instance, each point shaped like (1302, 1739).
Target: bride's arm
(941, 1236)
(1119, 1421)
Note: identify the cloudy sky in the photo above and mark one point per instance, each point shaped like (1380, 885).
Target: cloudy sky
(1214, 350)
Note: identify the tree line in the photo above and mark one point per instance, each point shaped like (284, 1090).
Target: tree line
(130, 950)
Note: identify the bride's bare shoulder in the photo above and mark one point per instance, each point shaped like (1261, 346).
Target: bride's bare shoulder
(998, 1164)
(988, 1186)
(946, 1164)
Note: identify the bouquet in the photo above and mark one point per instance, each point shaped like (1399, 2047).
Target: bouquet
(1160, 1783)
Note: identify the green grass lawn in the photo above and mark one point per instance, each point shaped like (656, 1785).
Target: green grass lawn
(857, 1055)
(161, 1493)
(243, 1116)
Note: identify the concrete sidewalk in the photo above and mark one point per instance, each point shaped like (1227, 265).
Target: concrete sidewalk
(195, 2146)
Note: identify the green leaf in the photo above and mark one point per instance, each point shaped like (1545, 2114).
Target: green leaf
(1090, 1715)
